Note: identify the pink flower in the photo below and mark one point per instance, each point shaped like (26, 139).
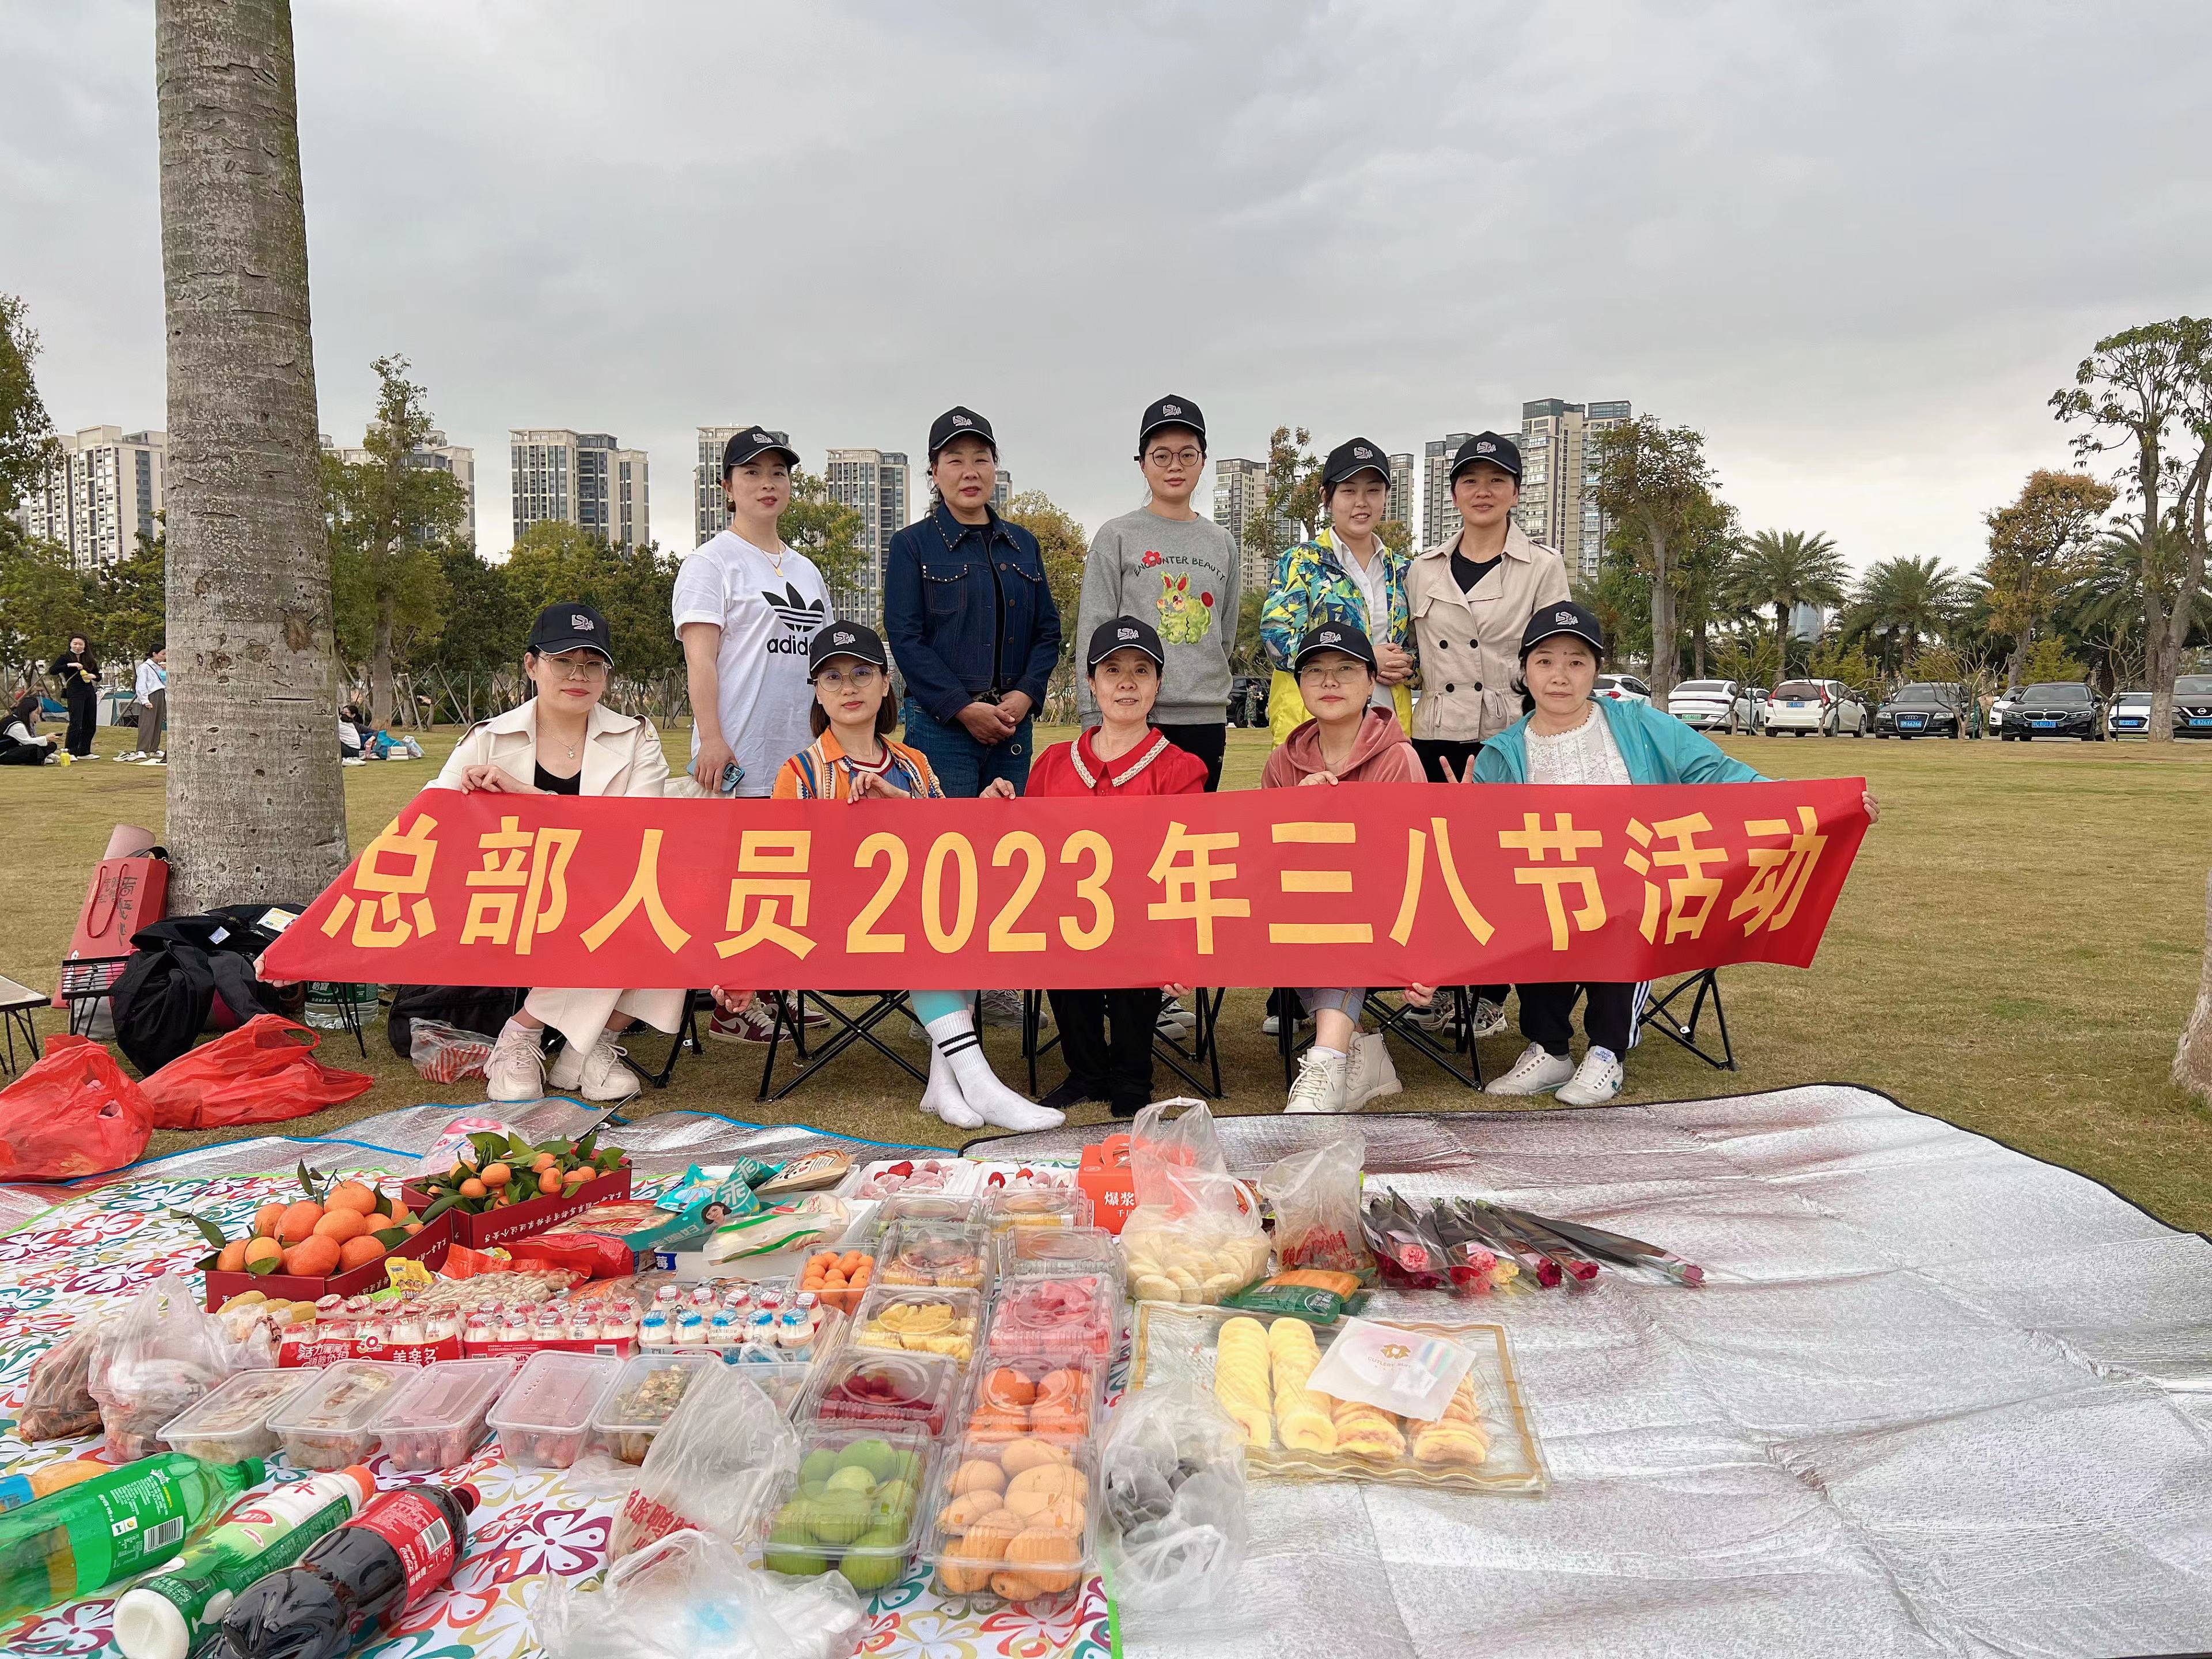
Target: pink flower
(1150, 558)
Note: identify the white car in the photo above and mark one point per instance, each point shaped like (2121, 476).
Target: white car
(2003, 706)
(1711, 706)
(2129, 716)
(1623, 688)
(1758, 695)
(1825, 709)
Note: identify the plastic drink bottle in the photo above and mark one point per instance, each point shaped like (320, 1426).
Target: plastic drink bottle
(72, 1541)
(386, 1560)
(17, 1490)
(178, 1612)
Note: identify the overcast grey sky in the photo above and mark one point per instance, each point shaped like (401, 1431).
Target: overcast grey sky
(1856, 246)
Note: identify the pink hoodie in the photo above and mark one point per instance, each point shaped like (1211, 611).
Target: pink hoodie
(1381, 756)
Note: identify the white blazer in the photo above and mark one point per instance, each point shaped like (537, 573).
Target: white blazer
(621, 756)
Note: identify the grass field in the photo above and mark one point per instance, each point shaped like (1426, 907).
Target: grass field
(2015, 952)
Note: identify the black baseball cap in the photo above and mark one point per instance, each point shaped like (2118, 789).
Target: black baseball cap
(1124, 634)
(1171, 411)
(1348, 460)
(564, 628)
(958, 422)
(1564, 618)
(1334, 636)
(756, 441)
(844, 639)
(1492, 447)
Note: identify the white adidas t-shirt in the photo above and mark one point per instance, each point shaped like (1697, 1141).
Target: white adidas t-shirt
(766, 620)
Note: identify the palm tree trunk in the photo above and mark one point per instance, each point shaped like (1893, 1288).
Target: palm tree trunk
(256, 809)
(2192, 1061)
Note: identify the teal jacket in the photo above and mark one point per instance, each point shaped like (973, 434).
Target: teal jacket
(1657, 749)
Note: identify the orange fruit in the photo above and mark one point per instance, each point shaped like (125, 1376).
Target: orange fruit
(267, 1219)
(316, 1257)
(462, 1169)
(472, 1188)
(233, 1259)
(543, 1160)
(359, 1253)
(260, 1249)
(352, 1196)
(548, 1184)
(401, 1216)
(413, 1228)
(497, 1174)
(299, 1221)
(342, 1224)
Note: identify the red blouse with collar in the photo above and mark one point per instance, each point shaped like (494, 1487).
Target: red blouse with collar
(1154, 767)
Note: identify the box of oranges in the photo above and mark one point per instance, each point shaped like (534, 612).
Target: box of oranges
(503, 1188)
(333, 1240)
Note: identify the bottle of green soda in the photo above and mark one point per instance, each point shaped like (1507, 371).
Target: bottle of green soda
(71, 1542)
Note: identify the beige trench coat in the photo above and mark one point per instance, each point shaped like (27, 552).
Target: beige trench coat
(621, 756)
(1470, 644)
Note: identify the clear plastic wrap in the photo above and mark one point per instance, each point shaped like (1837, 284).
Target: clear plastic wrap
(59, 1402)
(1315, 1196)
(447, 1053)
(715, 1465)
(1174, 1525)
(162, 1354)
(1194, 1235)
(689, 1594)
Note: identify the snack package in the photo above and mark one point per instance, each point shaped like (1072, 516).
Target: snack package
(688, 1595)
(1176, 1525)
(772, 1231)
(715, 1465)
(1195, 1234)
(160, 1356)
(1316, 1297)
(1316, 1195)
(1412, 1374)
(703, 1200)
(59, 1403)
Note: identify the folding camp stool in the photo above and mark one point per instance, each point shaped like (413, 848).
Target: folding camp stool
(86, 983)
(17, 1002)
(789, 1010)
(686, 1030)
(1659, 1014)
(1179, 1057)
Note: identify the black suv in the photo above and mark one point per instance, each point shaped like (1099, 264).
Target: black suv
(2057, 708)
(1922, 710)
(2192, 706)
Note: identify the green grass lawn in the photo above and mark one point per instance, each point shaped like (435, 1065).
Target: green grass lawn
(2015, 952)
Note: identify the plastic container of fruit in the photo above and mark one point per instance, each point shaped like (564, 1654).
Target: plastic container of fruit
(913, 1321)
(437, 1418)
(646, 1394)
(1009, 1208)
(1029, 1252)
(856, 1503)
(232, 1422)
(840, 1278)
(1055, 1397)
(902, 1390)
(1073, 1314)
(331, 1424)
(891, 1177)
(946, 1209)
(545, 1417)
(1014, 1521)
(939, 1254)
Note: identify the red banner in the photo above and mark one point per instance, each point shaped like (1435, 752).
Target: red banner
(1379, 885)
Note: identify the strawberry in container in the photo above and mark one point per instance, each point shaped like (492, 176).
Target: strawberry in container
(910, 1174)
(909, 1390)
(436, 1419)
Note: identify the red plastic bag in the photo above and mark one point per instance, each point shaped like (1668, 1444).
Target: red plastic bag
(264, 1071)
(74, 1113)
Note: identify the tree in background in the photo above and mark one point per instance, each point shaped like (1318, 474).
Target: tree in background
(132, 607)
(2036, 549)
(2048, 659)
(556, 563)
(1250, 655)
(387, 516)
(1903, 601)
(1619, 597)
(2148, 389)
(43, 598)
(1704, 575)
(1654, 485)
(2100, 614)
(27, 436)
(1293, 485)
(825, 530)
(485, 625)
(1395, 535)
(256, 809)
(1064, 545)
(1838, 658)
(1785, 568)
(1752, 658)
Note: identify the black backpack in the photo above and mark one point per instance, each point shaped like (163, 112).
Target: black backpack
(482, 1008)
(189, 971)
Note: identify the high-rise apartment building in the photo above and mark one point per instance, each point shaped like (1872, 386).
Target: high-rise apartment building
(100, 493)
(1401, 496)
(1559, 478)
(436, 455)
(1240, 489)
(1003, 491)
(710, 507)
(583, 478)
(1439, 518)
(878, 484)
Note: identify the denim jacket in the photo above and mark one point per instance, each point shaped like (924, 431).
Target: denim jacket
(943, 619)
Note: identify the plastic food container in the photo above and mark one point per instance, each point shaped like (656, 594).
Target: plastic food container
(1051, 1251)
(940, 1255)
(856, 1504)
(232, 1422)
(1056, 1397)
(890, 1177)
(840, 1278)
(1007, 1207)
(920, 1322)
(947, 1209)
(436, 1421)
(1015, 1520)
(545, 1415)
(645, 1395)
(1078, 1314)
(788, 1382)
(904, 1390)
(329, 1423)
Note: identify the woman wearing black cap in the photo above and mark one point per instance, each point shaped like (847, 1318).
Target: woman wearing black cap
(564, 741)
(1572, 738)
(970, 617)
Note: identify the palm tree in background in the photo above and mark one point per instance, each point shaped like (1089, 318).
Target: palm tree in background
(1786, 568)
(1905, 600)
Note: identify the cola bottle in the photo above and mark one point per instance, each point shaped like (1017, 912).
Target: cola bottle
(389, 1558)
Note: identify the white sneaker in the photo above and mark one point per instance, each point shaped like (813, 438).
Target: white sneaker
(1176, 1021)
(515, 1070)
(1320, 1085)
(1535, 1073)
(1487, 1020)
(1003, 1008)
(1440, 1016)
(1369, 1075)
(356, 761)
(597, 1073)
(1597, 1081)
(128, 755)
(1273, 1025)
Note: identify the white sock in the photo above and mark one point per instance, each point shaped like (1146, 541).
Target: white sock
(1320, 1053)
(942, 1098)
(954, 1037)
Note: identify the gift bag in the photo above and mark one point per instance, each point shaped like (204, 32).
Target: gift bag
(1195, 1234)
(714, 1465)
(1176, 1526)
(261, 1072)
(125, 895)
(73, 1113)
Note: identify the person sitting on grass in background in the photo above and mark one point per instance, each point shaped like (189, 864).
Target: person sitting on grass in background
(1570, 737)
(1347, 740)
(854, 759)
(19, 744)
(1123, 755)
(563, 741)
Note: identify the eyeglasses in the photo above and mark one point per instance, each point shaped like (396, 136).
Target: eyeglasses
(579, 667)
(1321, 676)
(1167, 457)
(858, 679)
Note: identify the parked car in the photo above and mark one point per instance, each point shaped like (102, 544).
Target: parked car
(2130, 715)
(2057, 708)
(2192, 706)
(2006, 702)
(1623, 688)
(1924, 709)
(1826, 708)
(1758, 695)
(1248, 700)
(1711, 706)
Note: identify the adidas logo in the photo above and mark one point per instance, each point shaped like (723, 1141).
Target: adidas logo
(794, 608)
